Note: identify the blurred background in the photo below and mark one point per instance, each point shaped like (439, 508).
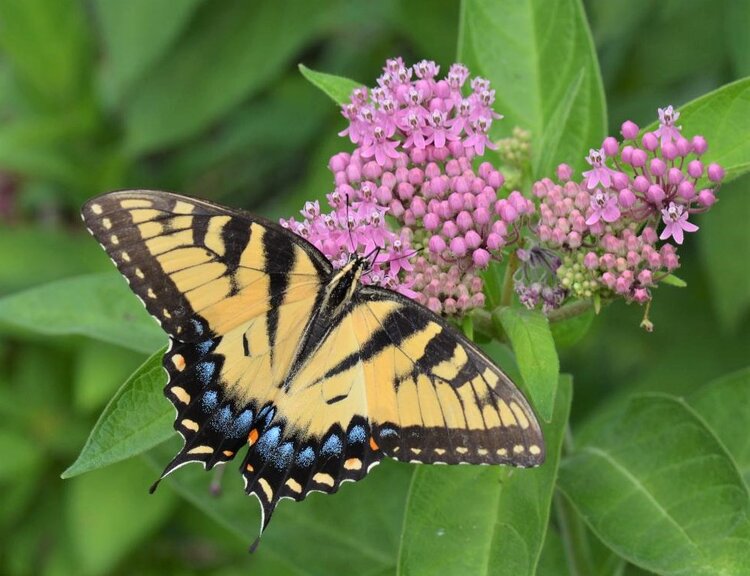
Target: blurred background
(204, 97)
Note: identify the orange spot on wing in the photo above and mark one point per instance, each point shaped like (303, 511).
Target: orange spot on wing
(250, 468)
(374, 444)
(252, 437)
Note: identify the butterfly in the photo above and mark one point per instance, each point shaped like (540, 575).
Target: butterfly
(317, 375)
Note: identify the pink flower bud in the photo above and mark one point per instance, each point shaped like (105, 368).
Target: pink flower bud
(675, 176)
(434, 305)
(436, 245)
(495, 179)
(645, 277)
(641, 184)
(481, 216)
(499, 227)
(432, 171)
(353, 173)
(405, 191)
(456, 202)
(649, 235)
(418, 207)
(699, 145)
(686, 189)
(473, 239)
(629, 130)
(480, 257)
(610, 146)
(431, 221)
(695, 169)
(469, 201)
(409, 218)
(458, 246)
(397, 209)
(445, 211)
(715, 172)
(626, 198)
(450, 229)
(620, 180)
(507, 212)
(477, 300)
(650, 141)
(416, 176)
(494, 241)
(452, 168)
(402, 174)
(627, 154)
(683, 146)
(655, 194)
(608, 261)
(517, 200)
(633, 258)
(706, 197)
(590, 261)
(418, 156)
(657, 167)
(638, 158)
(372, 170)
(671, 262)
(641, 295)
(669, 150)
(438, 186)
(461, 185)
(564, 172)
(654, 260)
(383, 195)
(389, 180)
(464, 221)
(338, 162)
(484, 170)
(622, 286)
(609, 280)
(450, 306)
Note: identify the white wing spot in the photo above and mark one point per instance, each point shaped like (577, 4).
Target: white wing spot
(462, 450)
(114, 240)
(502, 452)
(139, 273)
(534, 449)
(518, 448)
(96, 209)
(107, 223)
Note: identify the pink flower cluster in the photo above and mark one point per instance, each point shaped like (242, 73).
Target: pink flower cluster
(357, 228)
(416, 135)
(605, 227)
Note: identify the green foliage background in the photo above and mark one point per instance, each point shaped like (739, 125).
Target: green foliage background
(205, 97)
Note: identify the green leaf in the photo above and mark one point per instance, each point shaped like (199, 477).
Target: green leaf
(724, 405)
(339, 89)
(657, 486)
(34, 256)
(569, 331)
(135, 420)
(100, 370)
(48, 45)
(544, 51)
(356, 526)
(110, 512)
(98, 305)
(722, 240)
(227, 57)
(723, 118)
(532, 342)
(738, 15)
(136, 34)
(482, 520)
(673, 280)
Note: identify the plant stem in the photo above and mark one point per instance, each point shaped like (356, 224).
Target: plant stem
(572, 528)
(506, 297)
(570, 310)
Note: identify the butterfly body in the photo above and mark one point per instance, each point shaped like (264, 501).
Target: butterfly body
(317, 375)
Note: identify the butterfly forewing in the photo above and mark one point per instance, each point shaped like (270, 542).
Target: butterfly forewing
(257, 359)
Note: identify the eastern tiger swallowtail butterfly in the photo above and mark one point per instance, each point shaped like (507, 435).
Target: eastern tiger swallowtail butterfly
(317, 375)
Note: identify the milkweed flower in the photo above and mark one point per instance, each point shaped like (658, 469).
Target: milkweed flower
(600, 236)
(416, 136)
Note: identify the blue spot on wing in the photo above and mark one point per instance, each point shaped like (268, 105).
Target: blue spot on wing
(198, 326)
(306, 457)
(388, 432)
(283, 456)
(205, 371)
(268, 442)
(222, 420)
(204, 347)
(242, 424)
(210, 400)
(332, 446)
(357, 434)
